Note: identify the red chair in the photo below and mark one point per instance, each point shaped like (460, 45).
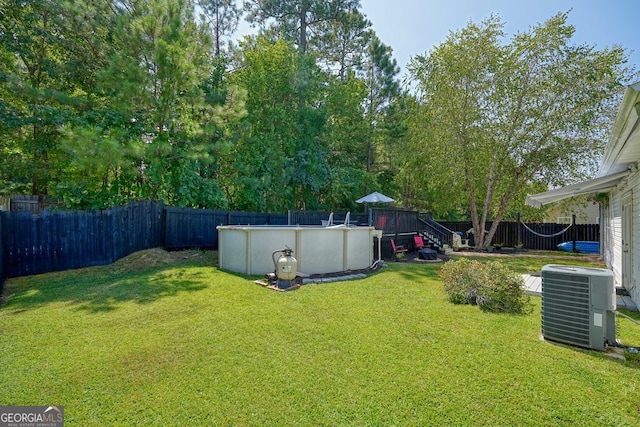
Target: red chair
(419, 242)
(398, 250)
(382, 222)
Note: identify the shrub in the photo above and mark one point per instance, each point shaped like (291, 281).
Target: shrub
(492, 286)
(459, 279)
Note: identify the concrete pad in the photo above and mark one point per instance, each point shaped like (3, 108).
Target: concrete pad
(532, 285)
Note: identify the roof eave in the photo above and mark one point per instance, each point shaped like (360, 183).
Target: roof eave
(625, 128)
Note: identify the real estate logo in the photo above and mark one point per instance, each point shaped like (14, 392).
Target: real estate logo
(31, 416)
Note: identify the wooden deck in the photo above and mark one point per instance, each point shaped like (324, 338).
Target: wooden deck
(532, 285)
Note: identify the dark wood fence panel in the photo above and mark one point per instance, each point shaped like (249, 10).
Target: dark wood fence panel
(297, 217)
(189, 228)
(137, 226)
(196, 228)
(540, 236)
(62, 240)
(27, 203)
(395, 221)
(51, 241)
(255, 218)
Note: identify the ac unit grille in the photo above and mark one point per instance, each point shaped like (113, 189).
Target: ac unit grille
(577, 304)
(565, 308)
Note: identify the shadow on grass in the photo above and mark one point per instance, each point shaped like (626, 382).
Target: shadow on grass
(415, 270)
(94, 292)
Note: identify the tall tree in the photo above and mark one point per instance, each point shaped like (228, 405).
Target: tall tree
(158, 107)
(279, 162)
(497, 117)
(348, 137)
(222, 16)
(342, 44)
(295, 20)
(43, 87)
(379, 72)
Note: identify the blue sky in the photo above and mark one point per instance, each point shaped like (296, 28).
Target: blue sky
(413, 27)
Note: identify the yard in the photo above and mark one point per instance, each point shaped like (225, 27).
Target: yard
(168, 339)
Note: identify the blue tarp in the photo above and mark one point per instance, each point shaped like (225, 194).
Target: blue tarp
(582, 246)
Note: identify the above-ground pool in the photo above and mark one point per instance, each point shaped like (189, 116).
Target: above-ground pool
(319, 250)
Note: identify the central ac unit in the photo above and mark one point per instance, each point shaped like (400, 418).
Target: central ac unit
(578, 306)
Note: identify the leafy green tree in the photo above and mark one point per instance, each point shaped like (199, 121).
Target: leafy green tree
(41, 44)
(159, 79)
(348, 138)
(104, 102)
(338, 36)
(97, 168)
(279, 161)
(497, 117)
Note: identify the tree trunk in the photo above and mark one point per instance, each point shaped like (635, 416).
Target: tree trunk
(217, 29)
(303, 28)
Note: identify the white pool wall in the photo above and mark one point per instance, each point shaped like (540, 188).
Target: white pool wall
(319, 250)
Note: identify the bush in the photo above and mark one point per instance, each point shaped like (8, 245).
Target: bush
(459, 279)
(492, 286)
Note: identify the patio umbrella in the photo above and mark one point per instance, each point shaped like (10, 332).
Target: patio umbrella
(375, 197)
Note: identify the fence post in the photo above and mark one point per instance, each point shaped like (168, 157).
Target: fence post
(395, 223)
(574, 233)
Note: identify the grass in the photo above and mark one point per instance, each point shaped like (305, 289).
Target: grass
(182, 343)
(533, 261)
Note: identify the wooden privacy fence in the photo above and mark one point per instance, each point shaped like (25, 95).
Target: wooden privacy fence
(62, 240)
(26, 203)
(539, 236)
(196, 228)
(297, 217)
(395, 222)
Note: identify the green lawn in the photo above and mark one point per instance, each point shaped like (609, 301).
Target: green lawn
(533, 261)
(183, 343)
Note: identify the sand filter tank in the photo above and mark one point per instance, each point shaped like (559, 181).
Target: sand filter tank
(286, 269)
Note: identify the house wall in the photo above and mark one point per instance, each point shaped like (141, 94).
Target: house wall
(613, 248)
(612, 234)
(585, 213)
(607, 232)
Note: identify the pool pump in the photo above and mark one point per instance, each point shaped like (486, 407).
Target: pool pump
(284, 276)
